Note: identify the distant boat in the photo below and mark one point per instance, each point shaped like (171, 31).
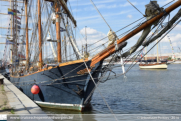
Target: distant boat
(157, 65)
(153, 66)
(65, 85)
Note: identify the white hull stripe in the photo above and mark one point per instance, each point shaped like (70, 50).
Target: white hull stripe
(164, 66)
(59, 104)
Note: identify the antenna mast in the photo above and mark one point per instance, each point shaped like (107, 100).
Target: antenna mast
(85, 40)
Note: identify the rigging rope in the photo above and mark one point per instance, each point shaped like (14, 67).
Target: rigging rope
(100, 14)
(147, 51)
(135, 58)
(99, 91)
(136, 8)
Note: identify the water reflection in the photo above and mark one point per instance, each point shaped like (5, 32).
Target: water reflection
(146, 91)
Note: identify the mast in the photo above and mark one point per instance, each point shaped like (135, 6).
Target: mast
(85, 40)
(157, 51)
(11, 58)
(171, 47)
(27, 45)
(146, 52)
(16, 36)
(40, 37)
(57, 9)
(111, 49)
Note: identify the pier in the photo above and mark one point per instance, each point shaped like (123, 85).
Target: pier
(16, 102)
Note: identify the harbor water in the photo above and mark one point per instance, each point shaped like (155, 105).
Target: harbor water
(144, 92)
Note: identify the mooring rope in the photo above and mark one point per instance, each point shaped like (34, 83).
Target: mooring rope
(100, 92)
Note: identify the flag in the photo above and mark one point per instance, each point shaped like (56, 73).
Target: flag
(10, 11)
(52, 3)
(9, 38)
(17, 22)
(17, 17)
(16, 11)
(21, 55)
(18, 27)
(62, 29)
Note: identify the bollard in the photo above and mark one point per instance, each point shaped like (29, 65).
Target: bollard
(1, 81)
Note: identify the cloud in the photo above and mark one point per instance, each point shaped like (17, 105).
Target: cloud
(92, 33)
(173, 38)
(89, 3)
(105, 15)
(165, 47)
(93, 36)
(177, 28)
(76, 10)
(106, 6)
(129, 16)
(163, 2)
(128, 4)
(88, 31)
(88, 17)
(176, 38)
(176, 44)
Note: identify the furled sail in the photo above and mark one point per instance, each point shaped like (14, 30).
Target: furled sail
(152, 9)
(166, 28)
(112, 37)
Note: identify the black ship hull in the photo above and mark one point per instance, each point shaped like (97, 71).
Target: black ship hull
(2, 70)
(60, 87)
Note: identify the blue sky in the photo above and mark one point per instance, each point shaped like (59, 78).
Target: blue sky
(117, 13)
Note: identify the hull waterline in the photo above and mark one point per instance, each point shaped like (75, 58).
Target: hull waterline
(153, 66)
(60, 87)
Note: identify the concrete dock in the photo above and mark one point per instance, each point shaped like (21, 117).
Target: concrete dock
(19, 101)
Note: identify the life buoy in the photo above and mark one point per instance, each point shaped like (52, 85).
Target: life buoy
(35, 89)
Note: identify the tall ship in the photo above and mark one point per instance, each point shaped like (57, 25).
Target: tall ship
(46, 58)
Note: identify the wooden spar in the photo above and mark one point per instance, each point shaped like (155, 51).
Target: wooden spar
(11, 28)
(57, 9)
(40, 38)
(8, 14)
(27, 42)
(11, 53)
(17, 43)
(16, 36)
(111, 49)
(12, 1)
(12, 57)
(64, 6)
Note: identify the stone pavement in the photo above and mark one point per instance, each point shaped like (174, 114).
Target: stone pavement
(19, 101)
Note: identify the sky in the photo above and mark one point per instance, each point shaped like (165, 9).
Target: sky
(117, 13)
